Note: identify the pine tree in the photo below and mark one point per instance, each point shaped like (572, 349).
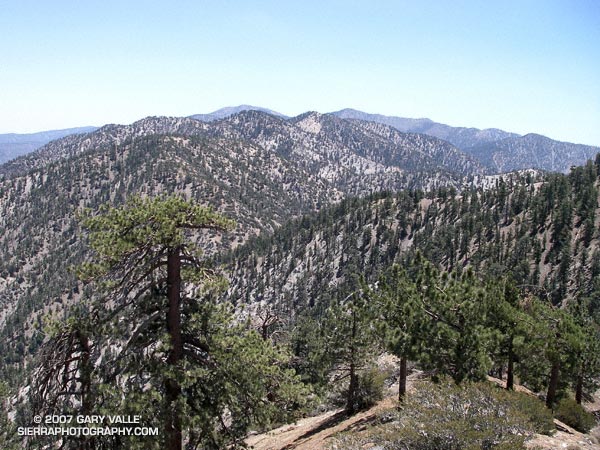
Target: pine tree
(459, 339)
(350, 340)
(549, 354)
(587, 359)
(510, 323)
(405, 327)
(170, 350)
(142, 249)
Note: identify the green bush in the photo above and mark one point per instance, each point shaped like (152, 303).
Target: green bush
(369, 389)
(534, 410)
(569, 412)
(371, 383)
(450, 417)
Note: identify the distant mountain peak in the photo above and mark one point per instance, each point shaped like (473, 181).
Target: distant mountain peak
(535, 136)
(347, 111)
(229, 111)
(13, 145)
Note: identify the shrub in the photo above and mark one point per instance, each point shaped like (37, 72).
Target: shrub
(371, 383)
(369, 390)
(450, 417)
(534, 410)
(569, 412)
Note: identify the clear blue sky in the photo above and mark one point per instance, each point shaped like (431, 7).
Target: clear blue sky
(523, 66)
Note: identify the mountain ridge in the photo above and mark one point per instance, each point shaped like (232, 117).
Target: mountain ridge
(532, 151)
(462, 137)
(13, 145)
(227, 111)
(492, 147)
(543, 232)
(346, 147)
(498, 150)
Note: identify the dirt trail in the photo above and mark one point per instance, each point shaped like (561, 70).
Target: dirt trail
(314, 433)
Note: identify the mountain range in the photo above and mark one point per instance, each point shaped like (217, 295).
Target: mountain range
(317, 199)
(459, 136)
(531, 150)
(262, 170)
(354, 156)
(497, 150)
(13, 145)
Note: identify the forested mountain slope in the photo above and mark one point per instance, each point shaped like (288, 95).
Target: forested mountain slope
(262, 171)
(544, 234)
(471, 149)
(107, 137)
(460, 136)
(497, 150)
(253, 167)
(531, 151)
(41, 238)
(356, 157)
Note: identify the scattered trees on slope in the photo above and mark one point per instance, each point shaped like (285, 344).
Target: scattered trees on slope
(449, 322)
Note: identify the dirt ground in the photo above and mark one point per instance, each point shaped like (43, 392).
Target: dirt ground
(314, 433)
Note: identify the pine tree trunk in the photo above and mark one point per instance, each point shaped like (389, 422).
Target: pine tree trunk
(553, 385)
(173, 390)
(402, 380)
(351, 390)
(510, 371)
(86, 385)
(579, 387)
(353, 381)
(85, 376)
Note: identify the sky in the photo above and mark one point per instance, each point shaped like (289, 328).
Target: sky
(522, 66)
